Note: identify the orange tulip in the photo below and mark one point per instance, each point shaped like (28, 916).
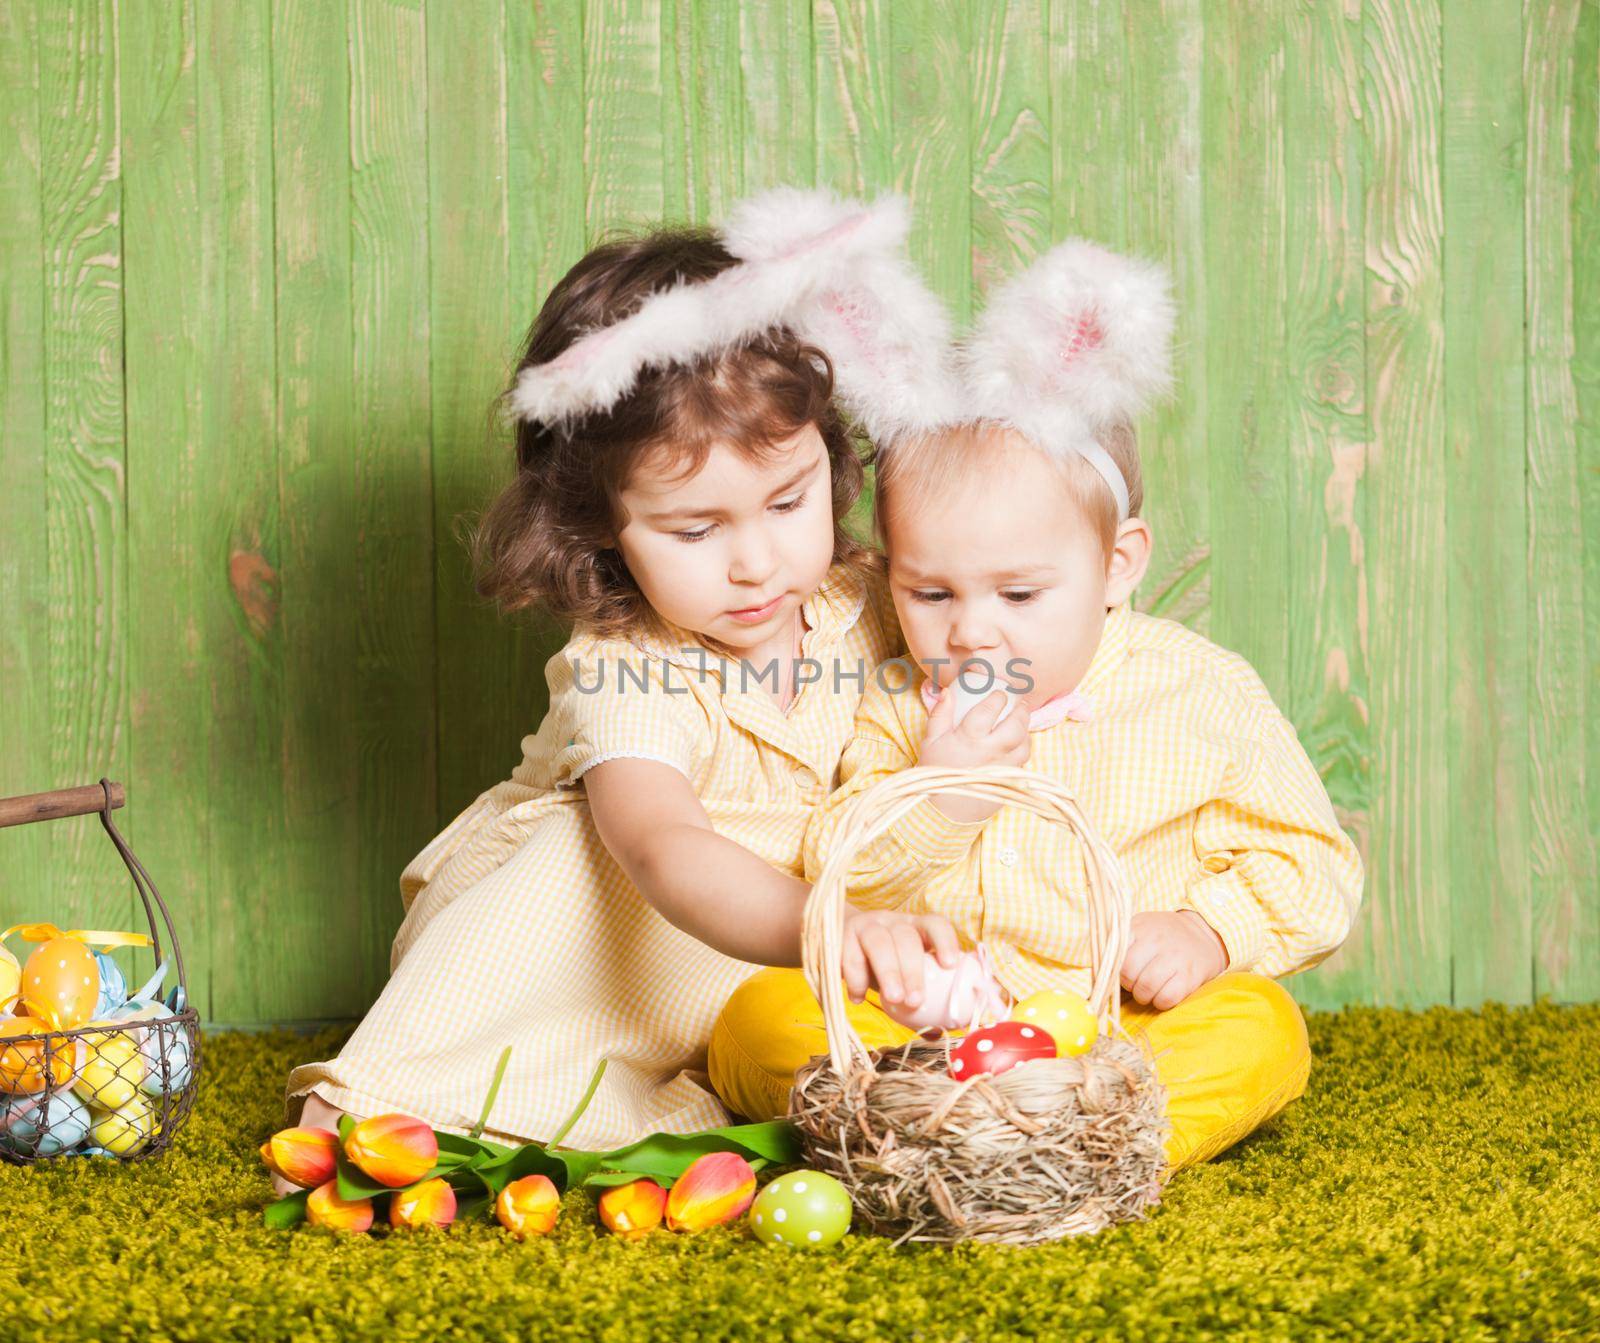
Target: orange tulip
(717, 1188)
(326, 1208)
(633, 1210)
(529, 1206)
(431, 1203)
(302, 1156)
(393, 1149)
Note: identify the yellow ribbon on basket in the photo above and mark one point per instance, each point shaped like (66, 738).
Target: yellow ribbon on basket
(11, 971)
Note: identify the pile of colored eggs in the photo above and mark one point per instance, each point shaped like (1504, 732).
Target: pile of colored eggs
(1047, 1025)
(91, 1094)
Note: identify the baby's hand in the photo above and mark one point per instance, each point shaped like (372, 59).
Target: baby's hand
(977, 740)
(1170, 955)
(884, 949)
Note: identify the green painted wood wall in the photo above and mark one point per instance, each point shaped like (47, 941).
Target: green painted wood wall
(263, 265)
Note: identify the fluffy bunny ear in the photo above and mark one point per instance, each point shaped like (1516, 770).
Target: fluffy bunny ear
(794, 246)
(885, 332)
(1077, 342)
(832, 271)
(1082, 326)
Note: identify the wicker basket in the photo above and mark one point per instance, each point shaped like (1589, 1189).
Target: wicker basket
(1051, 1148)
(154, 1057)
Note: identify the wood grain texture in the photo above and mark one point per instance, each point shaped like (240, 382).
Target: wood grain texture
(26, 724)
(1486, 507)
(1562, 678)
(1328, 434)
(175, 653)
(264, 269)
(302, 957)
(1165, 221)
(1408, 914)
(83, 449)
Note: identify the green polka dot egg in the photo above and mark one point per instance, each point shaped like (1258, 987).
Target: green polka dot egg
(1066, 1018)
(805, 1208)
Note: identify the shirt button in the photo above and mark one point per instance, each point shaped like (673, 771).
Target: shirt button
(1007, 857)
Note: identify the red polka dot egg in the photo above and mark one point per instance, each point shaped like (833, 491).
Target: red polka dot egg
(996, 1049)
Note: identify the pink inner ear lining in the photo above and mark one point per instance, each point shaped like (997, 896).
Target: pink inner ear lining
(1082, 334)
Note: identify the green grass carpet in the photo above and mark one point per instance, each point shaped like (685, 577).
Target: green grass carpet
(1439, 1180)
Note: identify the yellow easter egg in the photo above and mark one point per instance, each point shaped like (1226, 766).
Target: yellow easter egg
(113, 1067)
(125, 1130)
(61, 982)
(24, 1066)
(10, 980)
(1064, 1016)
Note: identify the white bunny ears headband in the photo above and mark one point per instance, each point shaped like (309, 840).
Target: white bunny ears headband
(1078, 341)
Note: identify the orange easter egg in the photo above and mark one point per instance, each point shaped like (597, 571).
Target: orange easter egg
(23, 1065)
(10, 979)
(61, 982)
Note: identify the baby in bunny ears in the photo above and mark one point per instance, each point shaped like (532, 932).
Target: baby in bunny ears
(1008, 501)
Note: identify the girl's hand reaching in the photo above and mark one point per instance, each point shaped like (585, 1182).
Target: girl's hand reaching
(884, 949)
(1170, 955)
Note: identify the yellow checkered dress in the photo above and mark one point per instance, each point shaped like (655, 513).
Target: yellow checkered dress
(521, 929)
(1186, 768)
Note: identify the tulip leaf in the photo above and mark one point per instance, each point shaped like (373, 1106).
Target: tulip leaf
(530, 1160)
(346, 1124)
(663, 1157)
(354, 1183)
(286, 1212)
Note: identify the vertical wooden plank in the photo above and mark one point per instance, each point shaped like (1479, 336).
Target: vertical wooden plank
(853, 133)
(392, 446)
(241, 554)
(1328, 698)
(624, 117)
(1560, 209)
(86, 469)
(1011, 167)
(481, 706)
(170, 504)
(545, 235)
(779, 97)
(932, 142)
(1089, 119)
(303, 951)
(1580, 983)
(1485, 453)
(1408, 906)
(703, 109)
(1246, 413)
(1165, 216)
(25, 555)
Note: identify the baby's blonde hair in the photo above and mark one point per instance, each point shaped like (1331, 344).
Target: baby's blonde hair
(943, 460)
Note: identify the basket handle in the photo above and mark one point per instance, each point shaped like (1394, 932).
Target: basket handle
(880, 807)
(102, 797)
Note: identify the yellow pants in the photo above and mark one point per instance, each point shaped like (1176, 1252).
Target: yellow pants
(1231, 1055)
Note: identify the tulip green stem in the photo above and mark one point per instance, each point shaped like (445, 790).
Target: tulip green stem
(594, 1083)
(494, 1090)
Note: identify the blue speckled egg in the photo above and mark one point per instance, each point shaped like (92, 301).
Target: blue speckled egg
(113, 987)
(41, 1126)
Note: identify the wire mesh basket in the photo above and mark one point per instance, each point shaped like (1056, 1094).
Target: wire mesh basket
(120, 1085)
(1055, 1147)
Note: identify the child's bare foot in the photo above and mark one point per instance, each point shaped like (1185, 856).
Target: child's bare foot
(317, 1114)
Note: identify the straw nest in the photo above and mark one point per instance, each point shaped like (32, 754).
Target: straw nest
(1051, 1148)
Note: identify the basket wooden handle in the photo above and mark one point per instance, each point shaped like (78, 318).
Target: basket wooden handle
(880, 807)
(83, 801)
